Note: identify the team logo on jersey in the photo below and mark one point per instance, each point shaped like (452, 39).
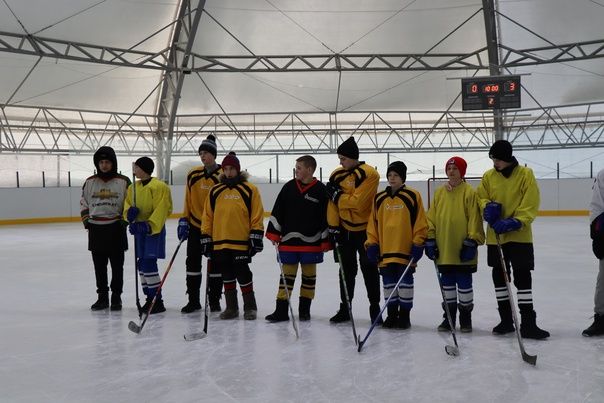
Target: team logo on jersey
(105, 194)
(393, 206)
(203, 186)
(232, 197)
(312, 199)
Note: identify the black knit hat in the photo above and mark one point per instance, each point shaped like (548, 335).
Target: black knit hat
(400, 168)
(349, 149)
(209, 145)
(501, 150)
(146, 164)
(105, 153)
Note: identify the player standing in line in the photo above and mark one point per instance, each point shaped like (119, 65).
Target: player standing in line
(351, 189)
(596, 217)
(396, 233)
(509, 197)
(455, 230)
(147, 223)
(101, 208)
(200, 180)
(231, 233)
(298, 225)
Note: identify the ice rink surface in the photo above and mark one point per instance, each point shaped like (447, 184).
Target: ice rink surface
(54, 349)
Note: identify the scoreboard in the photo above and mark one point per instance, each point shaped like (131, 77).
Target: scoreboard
(494, 92)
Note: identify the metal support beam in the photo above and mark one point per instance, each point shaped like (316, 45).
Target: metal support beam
(490, 26)
(184, 33)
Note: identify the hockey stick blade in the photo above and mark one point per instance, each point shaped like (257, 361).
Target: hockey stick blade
(452, 350)
(134, 327)
(195, 336)
(531, 359)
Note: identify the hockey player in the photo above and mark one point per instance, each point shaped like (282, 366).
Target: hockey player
(509, 198)
(396, 233)
(231, 233)
(199, 181)
(101, 208)
(147, 223)
(298, 224)
(455, 230)
(596, 217)
(351, 189)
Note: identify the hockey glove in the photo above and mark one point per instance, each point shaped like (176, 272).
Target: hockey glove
(86, 221)
(373, 254)
(431, 249)
(335, 235)
(182, 231)
(140, 228)
(333, 192)
(256, 243)
(417, 251)
(506, 225)
(492, 212)
(131, 214)
(469, 247)
(206, 245)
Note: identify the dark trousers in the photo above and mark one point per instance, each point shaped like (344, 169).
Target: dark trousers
(193, 265)
(519, 261)
(234, 267)
(100, 261)
(353, 244)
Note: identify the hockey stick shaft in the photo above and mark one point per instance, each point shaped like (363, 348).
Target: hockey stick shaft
(137, 329)
(531, 359)
(375, 321)
(136, 274)
(204, 333)
(346, 297)
(453, 350)
(284, 282)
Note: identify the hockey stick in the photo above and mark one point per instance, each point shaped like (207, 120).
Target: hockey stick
(137, 328)
(291, 311)
(531, 359)
(375, 321)
(449, 349)
(204, 333)
(136, 274)
(348, 302)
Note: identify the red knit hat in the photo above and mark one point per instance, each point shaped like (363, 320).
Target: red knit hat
(460, 163)
(231, 160)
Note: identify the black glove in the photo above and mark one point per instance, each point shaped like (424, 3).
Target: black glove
(333, 192)
(335, 235)
(256, 243)
(206, 245)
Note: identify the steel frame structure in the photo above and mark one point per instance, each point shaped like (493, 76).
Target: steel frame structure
(32, 129)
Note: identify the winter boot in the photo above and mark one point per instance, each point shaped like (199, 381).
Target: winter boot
(597, 328)
(102, 302)
(232, 306)
(341, 316)
(249, 306)
(158, 307)
(280, 314)
(193, 286)
(392, 318)
(304, 309)
(214, 305)
(465, 318)
(445, 326)
(403, 319)
(507, 323)
(528, 326)
(116, 302)
(374, 312)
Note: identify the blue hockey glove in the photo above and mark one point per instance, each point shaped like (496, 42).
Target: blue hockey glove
(206, 245)
(373, 254)
(506, 225)
(256, 243)
(182, 231)
(431, 249)
(140, 228)
(417, 251)
(469, 247)
(131, 214)
(333, 192)
(492, 212)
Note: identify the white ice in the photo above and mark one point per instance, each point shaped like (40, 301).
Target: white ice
(54, 349)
